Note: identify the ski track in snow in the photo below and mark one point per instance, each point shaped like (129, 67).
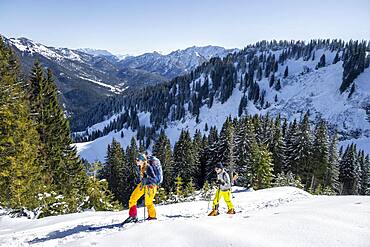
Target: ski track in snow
(283, 216)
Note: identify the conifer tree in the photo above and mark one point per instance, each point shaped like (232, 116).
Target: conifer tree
(286, 72)
(289, 143)
(198, 152)
(245, 137)
(61, 165)
(115, 173)
(179, 190)
(302, 151)
(262, 166)
(226, 146)
(320, 155)
(162, 150)
(349, 172)
(365, 174)
(332, 174)
(185, 163)
(20, 173)
(278, 147)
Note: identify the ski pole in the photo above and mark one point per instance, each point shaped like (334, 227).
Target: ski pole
(144, 200)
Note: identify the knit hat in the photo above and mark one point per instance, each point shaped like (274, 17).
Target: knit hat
(219, 165)
(141, 157)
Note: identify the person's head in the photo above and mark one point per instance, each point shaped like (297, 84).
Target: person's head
(219, 167)
(141, 159)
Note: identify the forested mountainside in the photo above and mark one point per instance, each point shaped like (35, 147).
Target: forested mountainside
(327, 78)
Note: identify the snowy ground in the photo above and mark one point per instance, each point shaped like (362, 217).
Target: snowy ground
(274, 217)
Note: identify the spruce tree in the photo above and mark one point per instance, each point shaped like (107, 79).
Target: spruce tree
(198, 152)
(349, 175)
(331, 179)
(278, 147)
(20, 176)
(320, 155)
(162, 150)
(365, 174)
(302, 152)
(286, 72)
(226, 146)
(262, 167)
(245, 136)
(289, 143)
(114, 172)
(185, 163)
(63, 168)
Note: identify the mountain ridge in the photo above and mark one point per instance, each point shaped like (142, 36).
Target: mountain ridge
(87, 76)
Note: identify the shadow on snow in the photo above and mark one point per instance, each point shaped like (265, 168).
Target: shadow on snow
(68, 232)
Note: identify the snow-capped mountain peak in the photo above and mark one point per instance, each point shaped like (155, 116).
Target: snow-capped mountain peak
(95, 52)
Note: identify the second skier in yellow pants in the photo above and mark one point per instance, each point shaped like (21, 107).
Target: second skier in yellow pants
(227, 197)
(224, 190)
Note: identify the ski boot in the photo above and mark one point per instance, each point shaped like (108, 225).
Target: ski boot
(214, 211)
(130, 219)
(151, 218)
(231, 211)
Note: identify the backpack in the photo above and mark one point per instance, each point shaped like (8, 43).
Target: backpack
(156, 166)
(233, 176)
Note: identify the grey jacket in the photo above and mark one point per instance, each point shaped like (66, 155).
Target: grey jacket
(224, 177)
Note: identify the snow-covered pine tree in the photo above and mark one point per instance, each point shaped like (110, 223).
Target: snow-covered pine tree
(349, 174)
(365, 172)
(278, 147)
(302, 152)
(289, 143)
(331, 179)
(210, 154)
(320, 155)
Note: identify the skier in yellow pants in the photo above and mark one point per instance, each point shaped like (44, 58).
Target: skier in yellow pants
(149, 171)
(224, 190)
(140, 190)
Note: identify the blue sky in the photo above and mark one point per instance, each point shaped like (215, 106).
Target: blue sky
(138, 26)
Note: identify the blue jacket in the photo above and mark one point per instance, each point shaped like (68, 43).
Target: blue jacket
(149, 177)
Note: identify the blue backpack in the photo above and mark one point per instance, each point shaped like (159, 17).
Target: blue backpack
(156, 168)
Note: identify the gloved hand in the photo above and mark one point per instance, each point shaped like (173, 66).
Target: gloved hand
(220, 182)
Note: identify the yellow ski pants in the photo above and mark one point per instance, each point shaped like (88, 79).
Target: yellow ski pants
(227, 197)
(149, 191)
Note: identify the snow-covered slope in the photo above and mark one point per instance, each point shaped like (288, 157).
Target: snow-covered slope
(283, 216)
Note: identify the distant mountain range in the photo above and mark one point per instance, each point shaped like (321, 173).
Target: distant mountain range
(87, 76)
